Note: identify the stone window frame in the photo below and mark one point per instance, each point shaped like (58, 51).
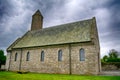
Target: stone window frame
(16, 55)
(82, 54)
(60, 52)
(28, 56)
(42, 56)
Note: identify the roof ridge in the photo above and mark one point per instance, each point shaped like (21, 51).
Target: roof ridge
(69, 23)
(56, 26)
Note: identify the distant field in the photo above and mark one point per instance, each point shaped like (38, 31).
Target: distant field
(36, 76)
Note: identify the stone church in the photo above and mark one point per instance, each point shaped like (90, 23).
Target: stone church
(71, 48)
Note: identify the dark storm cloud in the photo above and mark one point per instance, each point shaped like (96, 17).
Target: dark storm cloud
(15, 18)
(115, 15)
(13, 22)
(3, 8)
(110, 37)
(3, 13)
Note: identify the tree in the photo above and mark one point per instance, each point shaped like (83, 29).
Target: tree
(2, 58)
(112, 57)
(113, 54)
(105, 58)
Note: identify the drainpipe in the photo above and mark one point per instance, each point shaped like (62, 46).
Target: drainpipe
(20, 60)
(70, 59)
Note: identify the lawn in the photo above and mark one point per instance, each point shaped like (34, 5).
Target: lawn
(36, 76)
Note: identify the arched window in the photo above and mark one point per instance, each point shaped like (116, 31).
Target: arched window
(28, 56)
(82, 54)
(42, 56)
(16, 56)
(60, 55)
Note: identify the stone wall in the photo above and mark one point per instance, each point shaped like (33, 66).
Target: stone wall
(7, 60)
(51, 63)
(2, 67)
(90, 65)
(111, 66)
(14, 65)
(95, 40)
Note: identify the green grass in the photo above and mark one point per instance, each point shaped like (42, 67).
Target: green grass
(36, 76)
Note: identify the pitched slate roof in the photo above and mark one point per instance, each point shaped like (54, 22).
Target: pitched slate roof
(13, 44)
(67, 33)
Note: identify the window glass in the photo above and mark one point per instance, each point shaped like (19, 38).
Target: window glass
(60, 55)
(16, 56)
(82, 54)
(42, 56)
(28, 56)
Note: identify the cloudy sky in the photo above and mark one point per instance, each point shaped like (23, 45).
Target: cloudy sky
(16, 15)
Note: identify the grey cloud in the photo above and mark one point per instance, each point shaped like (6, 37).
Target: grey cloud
(111, 40)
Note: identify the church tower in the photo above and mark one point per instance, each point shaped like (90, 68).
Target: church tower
(37, 21)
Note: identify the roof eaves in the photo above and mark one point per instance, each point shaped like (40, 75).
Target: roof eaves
(15, 42)
(52, 45)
